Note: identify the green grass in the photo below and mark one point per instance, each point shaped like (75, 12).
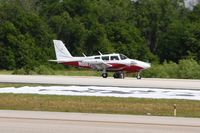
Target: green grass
(21, 85)
(111, 105)
(6, 72)
(11, 85)
(77, 73)
(66, 72)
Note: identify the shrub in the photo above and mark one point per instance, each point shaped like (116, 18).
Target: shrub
(186, 69)
(42, 69)
(189, 69)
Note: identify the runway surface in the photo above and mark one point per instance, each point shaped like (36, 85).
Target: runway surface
(54, 122)
(98, 81)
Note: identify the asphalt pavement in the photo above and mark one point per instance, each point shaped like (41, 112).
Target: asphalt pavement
(99, 81)
(54, 122)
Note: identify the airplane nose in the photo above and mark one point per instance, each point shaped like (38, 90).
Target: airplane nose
(143, 65)
(146, 65)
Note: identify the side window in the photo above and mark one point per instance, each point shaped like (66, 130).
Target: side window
(96, 57)
(105, 57)
(114, 58)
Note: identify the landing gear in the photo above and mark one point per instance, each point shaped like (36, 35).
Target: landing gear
(138, 76)
(119, 75)
(104, 75)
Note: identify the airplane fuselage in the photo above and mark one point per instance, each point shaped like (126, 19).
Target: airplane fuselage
(114, 60)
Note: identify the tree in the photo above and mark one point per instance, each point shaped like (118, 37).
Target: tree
(25, 38)
(153, 17)
(127, 39)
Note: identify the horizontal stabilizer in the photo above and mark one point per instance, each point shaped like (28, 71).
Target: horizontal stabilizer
(74, 59)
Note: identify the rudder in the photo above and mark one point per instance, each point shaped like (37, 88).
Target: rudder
(60, 50)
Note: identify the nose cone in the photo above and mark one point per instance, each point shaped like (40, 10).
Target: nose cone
(146, 65)
(141, 64)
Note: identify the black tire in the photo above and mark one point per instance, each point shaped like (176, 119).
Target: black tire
(119, 75)
(115, 75)
(104, 75)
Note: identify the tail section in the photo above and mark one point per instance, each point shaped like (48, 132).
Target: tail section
(61, 51)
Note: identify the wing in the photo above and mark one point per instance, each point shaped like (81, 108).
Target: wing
(97, 64)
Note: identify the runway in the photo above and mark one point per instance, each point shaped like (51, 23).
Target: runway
(54, 122)
(98, 81)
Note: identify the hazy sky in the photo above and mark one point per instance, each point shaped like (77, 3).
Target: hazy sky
(188, 3)
(191, 3)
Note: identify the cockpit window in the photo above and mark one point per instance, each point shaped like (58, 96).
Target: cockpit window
(123, 57)
(114, 58)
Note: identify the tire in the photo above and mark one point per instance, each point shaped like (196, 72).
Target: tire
(104, 75)
(118, 75)
(115, 75)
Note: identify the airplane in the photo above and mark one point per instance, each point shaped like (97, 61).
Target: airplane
(117, 63)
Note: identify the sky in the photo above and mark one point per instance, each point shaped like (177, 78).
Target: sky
(188, 3)
(191, 3)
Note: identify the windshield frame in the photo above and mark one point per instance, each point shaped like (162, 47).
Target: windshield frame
(123, 57)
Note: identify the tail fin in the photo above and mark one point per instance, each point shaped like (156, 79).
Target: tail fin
(61, 50)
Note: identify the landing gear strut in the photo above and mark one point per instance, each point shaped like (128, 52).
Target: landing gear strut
(119, 75)
(138, 76)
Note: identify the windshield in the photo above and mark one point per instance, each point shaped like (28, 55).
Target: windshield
(123, 57)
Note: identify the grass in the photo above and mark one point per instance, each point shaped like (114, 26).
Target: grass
(11, 85)
(111, 105)
(66, 72)
(21, 85)
(6, 72)
(77, 72)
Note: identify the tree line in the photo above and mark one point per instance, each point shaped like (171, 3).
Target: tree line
(150, 30)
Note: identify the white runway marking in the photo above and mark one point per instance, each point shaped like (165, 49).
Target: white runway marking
(106, 91)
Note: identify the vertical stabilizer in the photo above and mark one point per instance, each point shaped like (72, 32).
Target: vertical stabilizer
(61, 51)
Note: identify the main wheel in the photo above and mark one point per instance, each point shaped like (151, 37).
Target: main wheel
(104, 75)
(119, 75)
(115, 75)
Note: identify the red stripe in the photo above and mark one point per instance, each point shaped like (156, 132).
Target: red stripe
(116, 65)
(133, 68)
(75, 64)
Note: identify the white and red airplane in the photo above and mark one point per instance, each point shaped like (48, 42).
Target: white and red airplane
(117, 63)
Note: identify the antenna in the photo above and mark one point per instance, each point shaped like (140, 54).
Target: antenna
(84, 55)
(100, 53)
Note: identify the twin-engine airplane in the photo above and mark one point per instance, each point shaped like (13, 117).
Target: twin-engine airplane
(117, 63)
